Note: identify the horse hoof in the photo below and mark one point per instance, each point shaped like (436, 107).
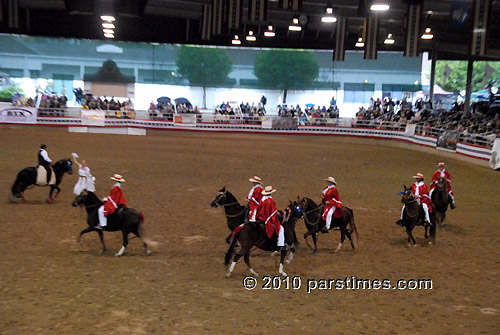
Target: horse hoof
(287, 261)
(415, 245)
(49, 200)
(228, 275)
(408, 245)
(430, 242)
(117, 254)
(283, 274)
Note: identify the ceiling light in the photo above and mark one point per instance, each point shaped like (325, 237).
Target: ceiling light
(329, 10)
(295, 20)
(269, 33)
(359, 43)
(109, 35)
(416, 82)
(251, 37)
(389, 39)
(328, 19)
(427, 35)
(379, 6)
(108, 31)
(108, 25)
(294, 28)
(236, 40)
(108, 18)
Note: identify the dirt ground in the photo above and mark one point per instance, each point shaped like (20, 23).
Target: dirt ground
(49, 284)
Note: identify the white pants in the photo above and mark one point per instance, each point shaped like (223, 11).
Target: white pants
(426, 210)
(103, 221)
(329, 216)
(281, 237)
(252, 215)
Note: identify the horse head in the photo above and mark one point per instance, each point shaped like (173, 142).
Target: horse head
(220, 198)
(64, 165)
(295, 211)
(407, 195)
(87, 199)
(441, 183)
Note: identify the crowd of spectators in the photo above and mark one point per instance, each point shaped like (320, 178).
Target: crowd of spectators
(114, 108)
(164, 110)
(309, 112)
(243, 109)
(48, 104)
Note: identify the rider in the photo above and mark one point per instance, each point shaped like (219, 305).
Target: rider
(420, 190)
(268, 213)
(441, 172)
(332, 201)
(254, 197)
(115, 199)
(44, 160)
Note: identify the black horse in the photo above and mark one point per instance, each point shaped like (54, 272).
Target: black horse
(313, 219)
(27, 177)
(127, 220)
(254, 234)
(236, 214)
(414, 215)
(440, 199)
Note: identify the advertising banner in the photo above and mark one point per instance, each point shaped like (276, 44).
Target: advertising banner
(14, 114)
(93, 118)
(495, 155)
(447, 140)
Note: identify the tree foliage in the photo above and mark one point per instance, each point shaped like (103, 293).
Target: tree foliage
(456, 79)
(203, 66)
(284, 69)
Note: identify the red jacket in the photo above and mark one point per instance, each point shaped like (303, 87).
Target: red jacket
(115, 199)
(331, 199)
(422, 192)
(254, 197)
(268, 213)
(445, 174)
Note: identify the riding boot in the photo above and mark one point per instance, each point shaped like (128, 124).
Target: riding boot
(452, 203)
(324, 230)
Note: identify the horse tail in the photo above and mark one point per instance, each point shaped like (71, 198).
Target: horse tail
(351, 223)
(142, 217)
(18, 185)
(142, 233)
(232, 244)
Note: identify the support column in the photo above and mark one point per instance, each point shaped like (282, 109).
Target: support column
(433, 76)
(468, 87)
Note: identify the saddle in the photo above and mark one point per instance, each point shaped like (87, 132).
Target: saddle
(41, 176)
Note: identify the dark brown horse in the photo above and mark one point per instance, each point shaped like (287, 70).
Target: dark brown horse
(254, 234)
(313, 219)
(236, 214)
(414, 215)
(440, 199)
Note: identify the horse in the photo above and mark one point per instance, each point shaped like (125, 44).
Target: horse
(440, 199)
(27, 177)
(313, 219)
(127, 220)
(414, 215)
(236, 214)
(253, 234)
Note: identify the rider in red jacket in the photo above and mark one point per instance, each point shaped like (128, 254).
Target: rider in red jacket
(115, 199)
(442, 172)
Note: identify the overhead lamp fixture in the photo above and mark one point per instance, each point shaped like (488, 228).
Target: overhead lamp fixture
(389, 39)
(107, 35)
(427, 35)
(379, 5)
(108, 31)
(270, 31)
(295, 20)
(359, 43)
(295, 28)
(251, 37)
(109, 18)
(108, 25)
(329, 18)
(236, 41)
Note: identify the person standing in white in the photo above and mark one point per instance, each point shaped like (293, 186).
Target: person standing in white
(86, 181)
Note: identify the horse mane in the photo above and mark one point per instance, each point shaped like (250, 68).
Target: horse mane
(311, 202)
(231, 198)
(93, 197)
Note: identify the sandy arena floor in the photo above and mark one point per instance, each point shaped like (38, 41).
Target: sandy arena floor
(49, 284)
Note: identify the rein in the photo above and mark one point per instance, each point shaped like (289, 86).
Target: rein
(236, 215)
(310, 211)
(232, 204)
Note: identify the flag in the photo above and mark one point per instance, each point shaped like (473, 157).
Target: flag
(291, 4)
(446, 73)
(206, 22)
(480, 27)
(371, 36)
(413, 21)
(339, 52)
(234, 13)
(488, 71)
(13, 12)
(458, 15)
(217, 11)
(257, 10)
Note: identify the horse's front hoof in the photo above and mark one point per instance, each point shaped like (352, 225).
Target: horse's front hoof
(49, 200)
(228, 275)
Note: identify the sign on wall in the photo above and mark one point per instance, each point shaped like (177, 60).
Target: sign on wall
(447, 140)
(495, 155)
(93, 118)
(13, 114)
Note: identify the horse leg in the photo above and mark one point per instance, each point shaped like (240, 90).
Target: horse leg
(58, 190)
(101, 236)
(247, 262)
(290, 256)
(425, 229)
(233, 264)
(85, 231)
(410, 236)
(125, 243)
(282, 259)
(349, 236)
(228, 238)
(138, 234)
(50, 199)
(342, 239)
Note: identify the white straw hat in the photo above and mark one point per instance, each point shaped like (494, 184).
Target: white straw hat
(118, 178)
(255, 179)
(331, 180)
(418, 176)
(268, 190)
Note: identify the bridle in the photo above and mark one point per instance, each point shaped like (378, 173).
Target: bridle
(310, 211)
(222, 195)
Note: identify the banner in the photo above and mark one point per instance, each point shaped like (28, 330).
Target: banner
(480, 27)
(447, 140)
(371, 36)
(185, 119)
(257, 10)
(13, 114)
(410, 129)
(93, 117)
(217, 15)
(234, 13)
(206, 22)
(413, 21)
(339, 52)
(281, 123)
(495, 155)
